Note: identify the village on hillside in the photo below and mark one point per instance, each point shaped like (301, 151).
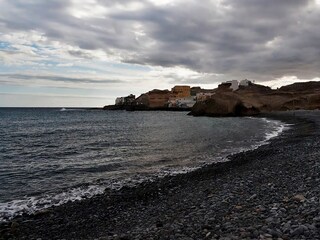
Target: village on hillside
(180, 97)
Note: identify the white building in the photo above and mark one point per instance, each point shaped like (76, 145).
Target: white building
(202, 96)
(234, 84)
(187, 102)
(245, 82)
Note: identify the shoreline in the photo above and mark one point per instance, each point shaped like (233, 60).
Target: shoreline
(107, 216)
(28, 206)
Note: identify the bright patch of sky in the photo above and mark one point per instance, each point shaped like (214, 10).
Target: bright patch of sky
(26, 56)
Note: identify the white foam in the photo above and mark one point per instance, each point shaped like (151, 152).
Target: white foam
(277, 127)
(71, 109)
(30, 205)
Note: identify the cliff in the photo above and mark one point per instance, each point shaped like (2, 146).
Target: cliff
(255, 99)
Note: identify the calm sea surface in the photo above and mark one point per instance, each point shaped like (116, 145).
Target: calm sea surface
(49, 156)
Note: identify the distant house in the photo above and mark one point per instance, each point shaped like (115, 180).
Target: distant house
(202, 96)
(234, 84)
(187, 102)
(245, 82)
(181, 91)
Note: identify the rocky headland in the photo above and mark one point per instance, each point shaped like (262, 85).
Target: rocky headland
(255, 99)
(247, 100)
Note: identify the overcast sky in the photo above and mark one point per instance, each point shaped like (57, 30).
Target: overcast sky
(85, 53)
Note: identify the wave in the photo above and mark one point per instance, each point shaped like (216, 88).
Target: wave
(278, 128)
(71, 109)
(30, 205)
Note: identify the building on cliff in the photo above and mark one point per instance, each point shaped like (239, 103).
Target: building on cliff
(245, 83)
(187, 102)
(234, 84)
(203, 96)
(181, 91)
(180, 97)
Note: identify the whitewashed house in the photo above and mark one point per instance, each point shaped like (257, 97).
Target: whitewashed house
(186, 102)
(234, 84)
(202, 96)
(245, 82)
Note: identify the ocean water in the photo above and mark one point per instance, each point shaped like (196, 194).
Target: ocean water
(51, 156)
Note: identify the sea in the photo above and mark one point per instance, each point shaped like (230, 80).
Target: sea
(49, 156)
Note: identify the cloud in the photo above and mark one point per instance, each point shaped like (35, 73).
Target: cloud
(14, 78)
(50, 100)
(53, 95)
(80, 54)
(260, 40)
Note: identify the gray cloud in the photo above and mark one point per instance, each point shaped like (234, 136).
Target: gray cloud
(80, 54)
(240, 38)
(52, 95)
(5, 78)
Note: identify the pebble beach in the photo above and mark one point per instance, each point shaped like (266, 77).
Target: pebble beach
(272, 192)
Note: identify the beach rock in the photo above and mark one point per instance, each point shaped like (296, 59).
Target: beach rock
(299, 198)
(298, 231)
(14, 227)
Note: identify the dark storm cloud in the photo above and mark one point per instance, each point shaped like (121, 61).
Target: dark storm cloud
(238, 38)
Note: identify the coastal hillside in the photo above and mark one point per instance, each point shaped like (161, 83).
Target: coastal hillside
(254, 99)
(231, 98)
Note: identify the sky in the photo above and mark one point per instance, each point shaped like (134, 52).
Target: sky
(71, 53)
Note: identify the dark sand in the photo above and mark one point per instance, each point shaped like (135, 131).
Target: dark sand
(269, 193)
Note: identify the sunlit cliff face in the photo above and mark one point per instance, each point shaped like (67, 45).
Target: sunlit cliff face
(69, 53)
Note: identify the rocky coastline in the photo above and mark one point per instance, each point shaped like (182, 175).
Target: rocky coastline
(255, 99)
(268, 193)
(144, 108)
(250, 100)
